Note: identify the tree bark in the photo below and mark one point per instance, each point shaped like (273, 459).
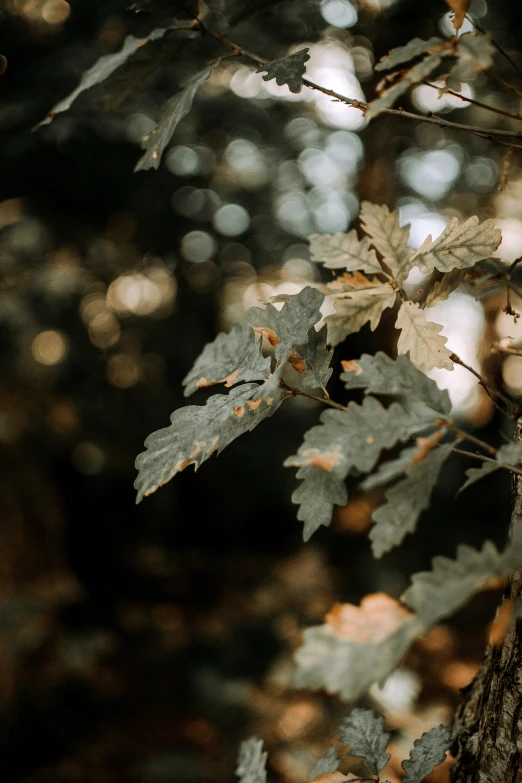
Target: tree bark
(487, 731)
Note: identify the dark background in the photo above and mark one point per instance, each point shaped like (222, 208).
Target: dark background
(142, 643)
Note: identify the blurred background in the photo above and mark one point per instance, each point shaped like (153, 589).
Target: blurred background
(142, 643)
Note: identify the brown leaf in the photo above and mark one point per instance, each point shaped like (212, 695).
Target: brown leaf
(460, 9)
(426, 445)
(499, 626)
(378, 617)
(351, 366)
(270, 335)
(297, 362)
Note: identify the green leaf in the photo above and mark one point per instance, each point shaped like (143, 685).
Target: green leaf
(406, 501)
(356, 309)
(287, 329)
(380, 374)
(509, 455)
(287, 70)
(382, 226)
(196, 432)
(102, 69)
(475, 54)
(229, 359)
(459, 246)
(251, 762)
(439, 593)
(344, 251)
(421, 339)
(316, 359)
(316, 497)
(403, 54)
(417, 74)
(348, 666)
(389, 470)
(172, 113)
(428, 752)
(343, 442)
(365, 736)
(441, 289)
(328, 763)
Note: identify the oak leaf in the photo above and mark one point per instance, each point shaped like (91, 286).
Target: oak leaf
(287, 70)
(428, 752)
(344, 251)
(421, 339)
(390, 239)
(358, 308)
(403, 54)
(416, 74)
(459, 246)
(366, 738)
(251, 762)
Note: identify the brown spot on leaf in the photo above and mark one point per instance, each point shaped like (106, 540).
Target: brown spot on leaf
(203, 383)
(370, 440)
(254, 404)
(326, 460)
(353, 279)
(239, 411)
(230, 379)
(377, 617)
(270, 335)
(426, 445)
(297, 362)
(351, 366)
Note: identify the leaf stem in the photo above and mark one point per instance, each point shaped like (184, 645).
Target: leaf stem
(482, 458)
(324, 400)
(491, 390)
(474, 102)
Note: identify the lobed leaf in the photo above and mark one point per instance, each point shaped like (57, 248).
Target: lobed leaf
(421, 339)
(251, 762)
(287, 330)
(287, 70)
(344, 251)
(389, 470)
(403, 54)
(343, 442)
(416, 74)
(328, 763)
(102, 69)
(382, 226)
(357, 309)
(355, 647)
(442, 288)
(474, 54)
(380, 374)
(352, 281)
(459, 246)
(229, 359)
(195, 433)
(313, 360)
(438, 593)
(428, 752)
(172, 112)
(406, 501)
(366, 738)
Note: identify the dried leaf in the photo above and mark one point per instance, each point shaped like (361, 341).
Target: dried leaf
(428, 752)
(475, 54)
(328, 763)
(343, 442)
(509, 455)
(403, 54)
(444, 287)
(380, 374)
(102, 69)
(365, 736)
(355, 310)
(460, 9)
(287, 70)
(417, 74)
(351, 281)
(388, 237)
(251, 762)
(287, 329)
(459, 246)
(421, 339)
(172, 113)
(229, 359)
(344, 251)
(406, 501)
(196, 432)
(355, 647)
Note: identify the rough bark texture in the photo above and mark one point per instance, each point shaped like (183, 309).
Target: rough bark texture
(488, 727)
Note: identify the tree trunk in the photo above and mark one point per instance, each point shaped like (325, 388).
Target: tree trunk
(487, 731)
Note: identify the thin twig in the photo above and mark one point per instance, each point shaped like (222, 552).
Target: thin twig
(513, 266)
(492, 390)
(484, 133)
(324, 400)
(463, 435)
(482, 458)
(497, 46)
(499, 348)
(476, 103)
